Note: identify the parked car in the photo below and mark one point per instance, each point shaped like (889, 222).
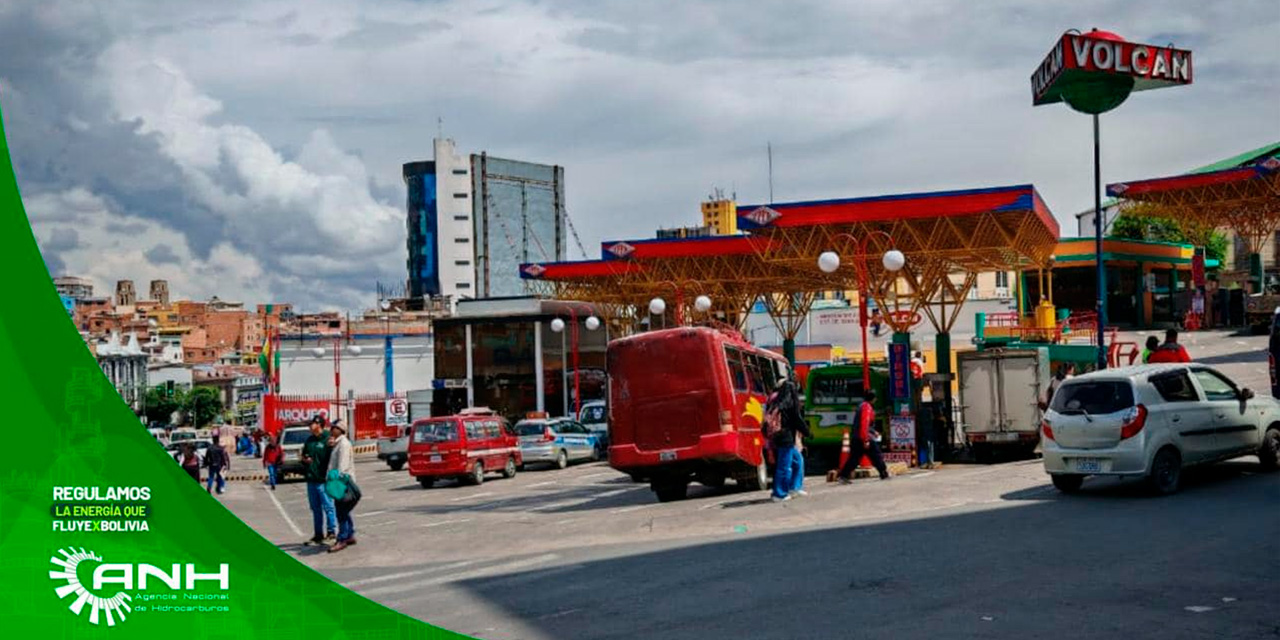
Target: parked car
(556, 441)
(394, 450)
(292, 437)
(1152, 421)
(180, 435)
(201, 444)
(465, 446)
(595, 417)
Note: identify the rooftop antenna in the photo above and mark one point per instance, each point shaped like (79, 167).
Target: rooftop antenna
(769, 150)
(440, 127)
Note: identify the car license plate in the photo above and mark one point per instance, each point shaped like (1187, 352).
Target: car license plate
(1088, 465)
(436, 458)
(666, 456)
(1008, 436)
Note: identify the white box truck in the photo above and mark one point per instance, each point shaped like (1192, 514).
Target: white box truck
(1000, 392)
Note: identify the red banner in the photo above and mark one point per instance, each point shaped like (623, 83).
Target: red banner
(278, 411)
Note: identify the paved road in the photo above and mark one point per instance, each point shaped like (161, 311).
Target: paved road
(962, 551)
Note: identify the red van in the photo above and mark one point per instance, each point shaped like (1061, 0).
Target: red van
(465, 446)
(686, 404)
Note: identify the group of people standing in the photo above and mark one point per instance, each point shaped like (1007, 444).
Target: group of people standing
(332, 493)
(787, 441)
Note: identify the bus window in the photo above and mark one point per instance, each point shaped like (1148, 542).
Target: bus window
(736, 370)
(760, 382)
(836, 391)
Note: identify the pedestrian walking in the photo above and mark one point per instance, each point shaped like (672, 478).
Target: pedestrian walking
(216, 461)
(864, 442)
(341, 486)
(315, 460)
(876, 320)
(271, 460)
(784, 424)
(190, 462)
(1153, 343)
(1170, 351)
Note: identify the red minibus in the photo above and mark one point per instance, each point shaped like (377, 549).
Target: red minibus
(686, 404)
(465, 446)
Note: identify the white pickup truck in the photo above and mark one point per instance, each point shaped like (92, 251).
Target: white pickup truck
(395, 450)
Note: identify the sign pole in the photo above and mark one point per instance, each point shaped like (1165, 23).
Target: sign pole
(1098, 227)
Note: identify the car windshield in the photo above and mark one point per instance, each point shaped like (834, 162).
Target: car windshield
(181, 435)
(1093, 397)
(593, 415)
(296, 436)
(530, 428)
(443, 431)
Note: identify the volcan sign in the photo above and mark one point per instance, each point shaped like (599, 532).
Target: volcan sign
(1079, 63)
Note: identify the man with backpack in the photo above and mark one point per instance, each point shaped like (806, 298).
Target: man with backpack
(783, 426)
(216, 459)
(863, 443)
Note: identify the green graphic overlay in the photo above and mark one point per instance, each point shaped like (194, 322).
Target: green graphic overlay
(170, 562)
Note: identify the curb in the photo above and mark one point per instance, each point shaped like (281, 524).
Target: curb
(894, 469)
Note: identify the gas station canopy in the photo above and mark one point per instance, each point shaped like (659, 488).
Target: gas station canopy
(941, 234)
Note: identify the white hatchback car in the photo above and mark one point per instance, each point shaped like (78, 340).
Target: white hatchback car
(1152, 421)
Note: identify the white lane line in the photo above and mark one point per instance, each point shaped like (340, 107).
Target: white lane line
(1241, 342)
(558, 614)
(543, 484)
(407, 574)
(615, 492)
(920, 475)
(1198, 609)
(444, 522)
(459, 577)
(632, 508)
(283, 513)
(469, 497)
(372, 513)
(378, 524)
(599, 475)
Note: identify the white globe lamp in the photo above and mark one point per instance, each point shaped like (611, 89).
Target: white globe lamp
(318, 352)
(592, 323)
(657, 306)
(829, 261)
(354, 350)
(702, 304)
(894, 260)
(557, 325)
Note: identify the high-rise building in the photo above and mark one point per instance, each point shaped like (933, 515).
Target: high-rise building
(73, 287)
(160, 292)
(721, 215)
(471, 223)
(126, 295)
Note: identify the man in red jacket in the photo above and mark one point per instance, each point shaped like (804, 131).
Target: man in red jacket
(271, 460)
(1170, 351)
(862, 442)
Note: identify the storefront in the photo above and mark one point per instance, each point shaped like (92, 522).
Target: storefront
(1148, 283)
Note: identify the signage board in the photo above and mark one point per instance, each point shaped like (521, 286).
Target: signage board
(397, 412)
(1078, 61)
(899, 372)
(902, 433)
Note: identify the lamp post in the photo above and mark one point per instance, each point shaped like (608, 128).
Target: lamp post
(318, 352)
(388, 371)
(892, 260)
(558, 325)
(658, 306)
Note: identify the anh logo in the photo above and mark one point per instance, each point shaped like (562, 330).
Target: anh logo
(762, 216)
(1271, 164)
(177, 578)
(621, 249)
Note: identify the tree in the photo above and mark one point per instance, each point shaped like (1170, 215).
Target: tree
(161, 405)
(1139, 227)
(202, 405)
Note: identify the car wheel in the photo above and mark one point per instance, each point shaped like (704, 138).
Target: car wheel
(562, 459)
(1269, 454)
(426, 482)
(671, 491)
(477, 474)
(757, 480)
(509, 471)
(713, 480)
(397, 465)
(1067, 482)
(1166, 472)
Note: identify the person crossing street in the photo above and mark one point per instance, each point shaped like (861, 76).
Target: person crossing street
(863, 443)
(315, 458)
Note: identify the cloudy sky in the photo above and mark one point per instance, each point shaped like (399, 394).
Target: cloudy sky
(252, 149)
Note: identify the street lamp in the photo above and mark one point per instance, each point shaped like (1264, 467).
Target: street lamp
(893, 261)
(319, 352)
(558, 325)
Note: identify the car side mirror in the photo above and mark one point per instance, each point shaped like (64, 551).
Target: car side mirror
(1246, 394)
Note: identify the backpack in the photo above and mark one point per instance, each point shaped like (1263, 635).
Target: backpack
(772, 418)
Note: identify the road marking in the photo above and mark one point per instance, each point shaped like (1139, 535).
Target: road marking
(920, 475)
(283, 513)
(482, 572)
(444, 522)
(632, 508)
(558, 614)
(474, 495)
(1241, 342)
(372, 513)
(543, 484)
(378, 524)
(615, 492)
(1228, 599)
(598, 475)
(407, 574)
(556, 505)
(1198, 609)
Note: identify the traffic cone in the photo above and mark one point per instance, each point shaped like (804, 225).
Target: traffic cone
(844, 457)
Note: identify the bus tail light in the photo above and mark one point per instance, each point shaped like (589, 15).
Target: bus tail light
(726, 421)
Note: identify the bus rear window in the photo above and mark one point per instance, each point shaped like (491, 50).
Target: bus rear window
(431, 432)
(835, 391)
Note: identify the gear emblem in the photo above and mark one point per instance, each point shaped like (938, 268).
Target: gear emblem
(114, 607)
